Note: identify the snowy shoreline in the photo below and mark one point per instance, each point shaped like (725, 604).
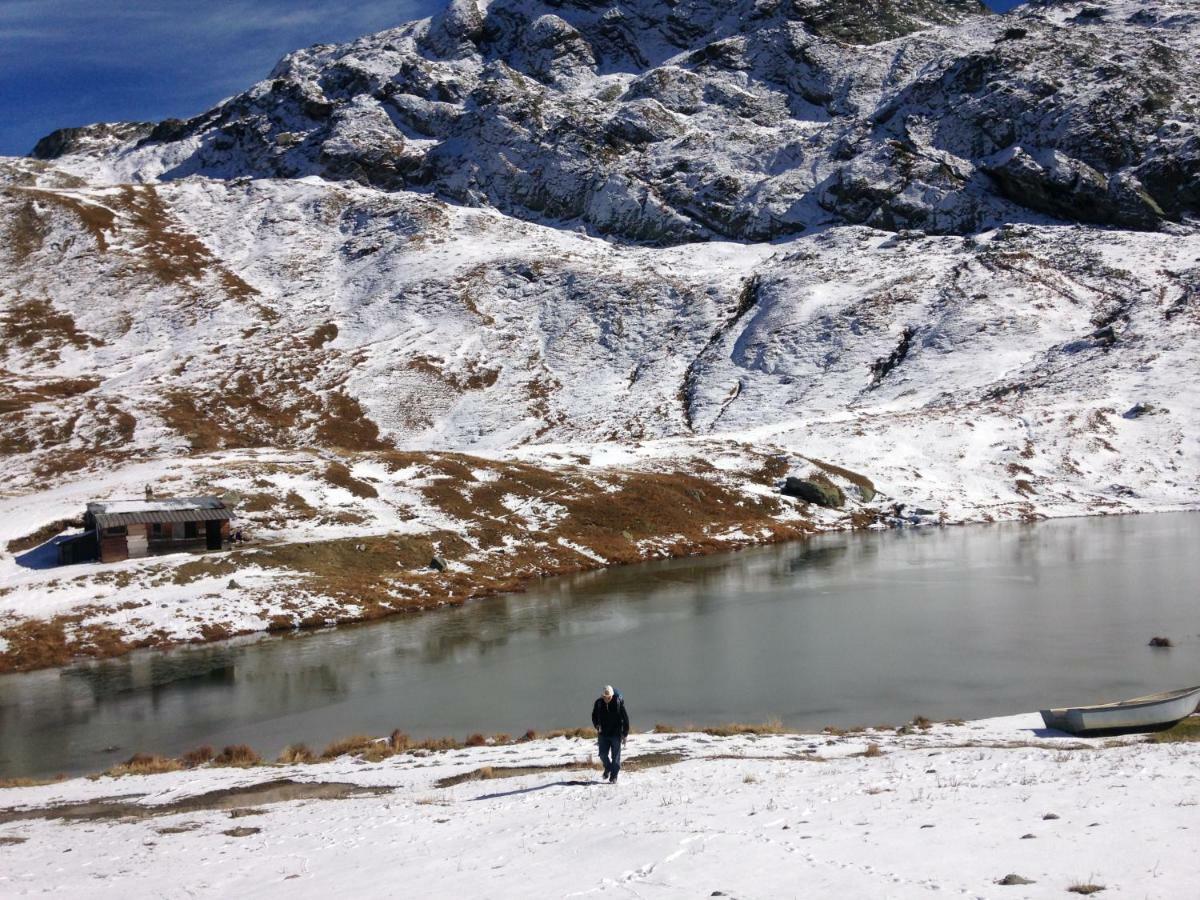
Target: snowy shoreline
(948, 808)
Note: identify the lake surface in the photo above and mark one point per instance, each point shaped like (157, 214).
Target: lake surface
(843, 629)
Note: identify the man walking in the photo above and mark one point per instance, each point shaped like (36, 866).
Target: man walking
(612, 727)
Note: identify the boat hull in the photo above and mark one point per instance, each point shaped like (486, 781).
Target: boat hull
(1154, 713)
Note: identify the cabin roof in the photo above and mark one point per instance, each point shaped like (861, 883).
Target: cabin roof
(114, 513)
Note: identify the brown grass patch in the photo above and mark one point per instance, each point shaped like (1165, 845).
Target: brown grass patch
(18, 399)
(1186, 732)
(238, 756)
(97, 220)
(198, 757)
(735, 728)
(296, 753)
(144, 764)
(339, 476)
(584, 733)
(1083, 887)
(36, 324)
(355, 744)
(30, 782)
(39, 537)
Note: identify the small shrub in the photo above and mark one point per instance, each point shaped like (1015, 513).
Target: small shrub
(662, 728)
(443, 743)
(238, 755)
(197, 757)
(1158, 641)
(529, 735)
(922, 722)
(501, 738)
(1085, 888)
(144, 764)
(1187, 731)
(476, 740)
(749, 778)
(585, 733)
(399, 741)
(358, 743)
(734, 728)
(296, 753)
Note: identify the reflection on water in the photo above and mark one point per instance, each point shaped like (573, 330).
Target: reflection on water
(842, 629)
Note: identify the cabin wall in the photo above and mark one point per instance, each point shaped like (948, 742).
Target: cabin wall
(114, 546)
(138, 541)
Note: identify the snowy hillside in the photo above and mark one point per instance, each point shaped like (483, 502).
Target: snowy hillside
(658, 248)
(995, 808)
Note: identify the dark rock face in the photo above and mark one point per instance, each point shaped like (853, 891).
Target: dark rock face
(665, 122)
(89, 139)
(816, 490)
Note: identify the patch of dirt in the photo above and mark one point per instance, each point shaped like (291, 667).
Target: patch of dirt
(284, 790)
(491, 773)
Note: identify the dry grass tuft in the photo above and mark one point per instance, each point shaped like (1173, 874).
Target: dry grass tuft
(528, 736)
(339, 476)
(772, 727)
(358, 743)
(399, 741)
(198, 757)
(1186, 732)
(1081, 887)
(1158, 641)
(29, 782)
(872, 752)
(238, 755)
(296, 753)
(476, 740)
(144, 764)
(585, 733)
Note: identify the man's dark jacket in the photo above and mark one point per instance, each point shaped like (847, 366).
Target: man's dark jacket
(610, 717)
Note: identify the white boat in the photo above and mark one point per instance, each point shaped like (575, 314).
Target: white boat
(1153, 713)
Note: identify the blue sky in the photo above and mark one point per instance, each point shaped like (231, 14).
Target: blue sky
(72, 62)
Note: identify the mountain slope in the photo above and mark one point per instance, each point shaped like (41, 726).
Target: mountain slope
(507, 232)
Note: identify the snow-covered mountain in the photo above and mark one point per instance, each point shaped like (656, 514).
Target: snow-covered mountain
(952, 251)
(668, 121)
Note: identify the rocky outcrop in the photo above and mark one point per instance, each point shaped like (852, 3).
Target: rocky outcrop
(818, 490)
(752, 119)
(89, 139)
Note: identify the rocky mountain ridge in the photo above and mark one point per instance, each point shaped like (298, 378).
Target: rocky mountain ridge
(667, 122)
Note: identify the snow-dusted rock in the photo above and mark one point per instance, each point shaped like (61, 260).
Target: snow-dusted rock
(747, 120)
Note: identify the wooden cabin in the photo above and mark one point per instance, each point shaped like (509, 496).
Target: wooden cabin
(129, 529)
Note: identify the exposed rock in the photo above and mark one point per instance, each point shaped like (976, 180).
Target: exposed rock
(1013, 879)
(90, 138)
(818, 490)
(1142, 409)
(748, 119)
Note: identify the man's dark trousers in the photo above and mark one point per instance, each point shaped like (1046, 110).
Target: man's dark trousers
(611, 744)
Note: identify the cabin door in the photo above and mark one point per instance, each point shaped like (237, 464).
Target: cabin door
(212, 534)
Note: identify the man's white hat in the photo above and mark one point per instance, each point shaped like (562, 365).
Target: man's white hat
(608, 690)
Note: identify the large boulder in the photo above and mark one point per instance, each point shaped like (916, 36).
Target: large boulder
(818, 490)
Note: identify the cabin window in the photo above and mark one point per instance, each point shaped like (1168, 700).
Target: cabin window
(189, 529)
(156, 531)
(117, 531)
